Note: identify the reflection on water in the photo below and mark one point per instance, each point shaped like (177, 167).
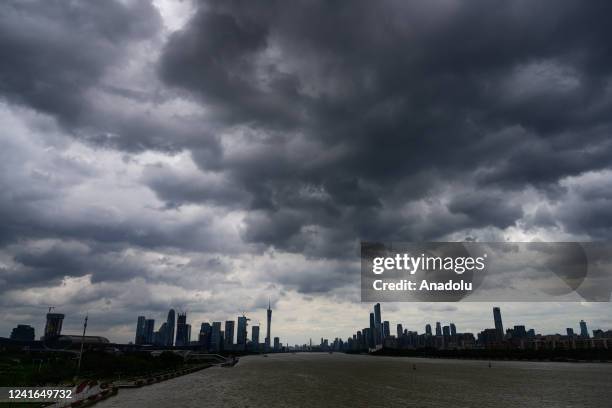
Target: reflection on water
(311, 380)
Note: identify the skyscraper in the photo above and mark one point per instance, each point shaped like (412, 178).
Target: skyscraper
(570, 332)
(386, 329)
(277, 344)
(453, 329)
(170, 329)
(372, 336)
(215, 337)
(148, 331)
(400, 331)
(140, 330)
(499, 327)
(53, 327)
(438, 329)
(241, 332)
(205, 335)
(255, 336)
(428, 329)
(269, 326)
(162, 335)
(229, 332)
(584, 332)
(377, 324)
(182, 336)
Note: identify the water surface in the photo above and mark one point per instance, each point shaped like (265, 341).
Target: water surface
(321, 379)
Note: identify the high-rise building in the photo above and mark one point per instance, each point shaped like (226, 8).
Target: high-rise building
(148, 331)
(372, 336)
(446, 331)
(438, 329)
(584, 332)
(53, 327)
(140, 330)
(215, 337)
(255, 335)
(400, 331)
(453, 329)
(378, 334)
(182, 332)
(268, 332)
(386, 329)
(277, 344)
(205, 335)
(570, 332)
(170, 330)
(23, 332)
(161, 337)
(499, 327)
(241, 331)
(428, 329)
(229, 332)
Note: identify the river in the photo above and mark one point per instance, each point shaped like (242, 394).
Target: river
(340, 380)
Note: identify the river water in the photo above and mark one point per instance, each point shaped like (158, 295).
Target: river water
(340, 380)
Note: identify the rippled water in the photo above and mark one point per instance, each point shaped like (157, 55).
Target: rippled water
(311, 380)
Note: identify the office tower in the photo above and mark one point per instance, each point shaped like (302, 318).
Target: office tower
(205, 335)
(140, 330)
(53, 327)
(428, 329)
(148, 331)
(453, 329)
(446, 331)
(229, 332)
(276, 344)
(215, 338)
(170, 330)
(255, 335)
(570, 332)
(400, 331)
(386, 329)
(162, 335)
(23, 332)
(583, 330)
(241, 332)
(438, 329)
(498, 322)
(181, 330)
(377, 324)
(372, 332)
(269, 324)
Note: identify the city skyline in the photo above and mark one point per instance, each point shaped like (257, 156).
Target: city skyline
(137, 175)
(379, 328)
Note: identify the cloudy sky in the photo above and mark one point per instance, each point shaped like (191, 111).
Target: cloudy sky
(210, 155)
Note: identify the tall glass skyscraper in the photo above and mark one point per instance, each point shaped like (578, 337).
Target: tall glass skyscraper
(377, 324)
(241, 332)
(584, 332)
(229, 332)
(499, 327)
(170, 328)
(140, 330)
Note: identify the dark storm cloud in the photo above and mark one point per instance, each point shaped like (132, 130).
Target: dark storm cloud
(54, 51)
(315, 123)
(505, 94)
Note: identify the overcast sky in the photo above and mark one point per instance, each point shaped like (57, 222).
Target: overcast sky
(208, 156)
